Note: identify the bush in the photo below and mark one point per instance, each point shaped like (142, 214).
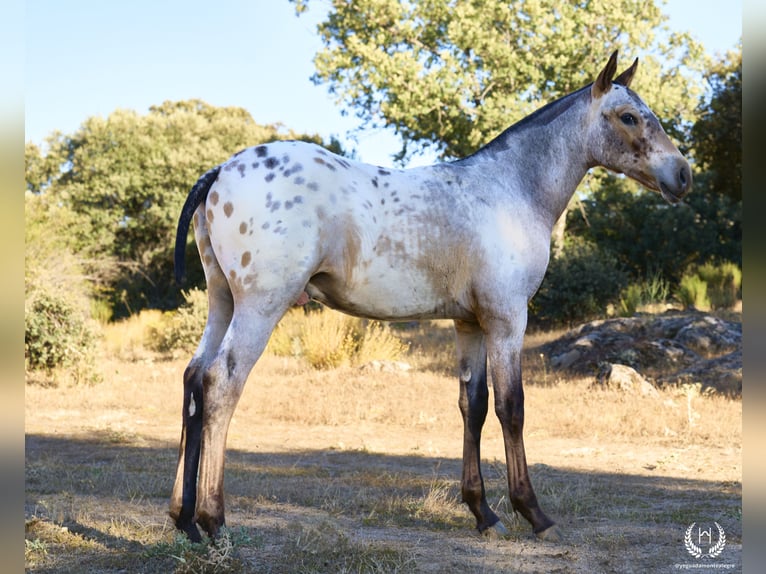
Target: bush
(56, 335)
(182, 329)
(325, 338)
(652, 291)
(710, 286)
(579, 285)
(648, 235)
(692, 292)
(723, 283)
(329, 339)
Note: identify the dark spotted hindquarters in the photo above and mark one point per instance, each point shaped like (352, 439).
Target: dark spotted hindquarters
(196, 196)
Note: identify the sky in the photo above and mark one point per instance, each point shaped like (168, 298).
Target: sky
(90, 57)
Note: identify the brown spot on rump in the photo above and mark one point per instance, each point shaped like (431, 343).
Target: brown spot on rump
(214, 198)
(232, 274)
(246, 257)
(228, 208)
(209, 214)
(320, 161)
(243, 228)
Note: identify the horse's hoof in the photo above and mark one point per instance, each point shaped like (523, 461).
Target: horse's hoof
(551, 534)
(496, 531)
(191, 531)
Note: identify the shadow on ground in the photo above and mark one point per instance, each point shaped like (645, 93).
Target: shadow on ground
(110, 493)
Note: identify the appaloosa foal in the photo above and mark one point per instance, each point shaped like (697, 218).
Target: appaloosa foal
(468, 240)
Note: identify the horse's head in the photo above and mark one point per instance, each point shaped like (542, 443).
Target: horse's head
(626, 137)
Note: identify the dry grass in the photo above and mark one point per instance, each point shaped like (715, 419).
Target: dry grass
(344, 470)
(328, 339)
(129, 339)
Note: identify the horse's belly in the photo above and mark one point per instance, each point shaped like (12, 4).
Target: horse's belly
(400, 294)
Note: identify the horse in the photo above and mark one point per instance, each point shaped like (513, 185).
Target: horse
(286, 222)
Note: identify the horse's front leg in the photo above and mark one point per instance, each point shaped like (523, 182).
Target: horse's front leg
(472, 362)
(504, 343)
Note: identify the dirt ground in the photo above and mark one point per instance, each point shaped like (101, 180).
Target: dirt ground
(374, 487)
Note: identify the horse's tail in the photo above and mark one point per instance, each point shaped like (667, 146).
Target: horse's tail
(197, 195)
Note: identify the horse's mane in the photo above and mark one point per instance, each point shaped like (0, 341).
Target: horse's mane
(539, 117)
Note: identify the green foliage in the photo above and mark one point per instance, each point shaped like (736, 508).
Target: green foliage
(711, 286)
(455, 74)
(717, 134)
(56, 336)
(123, 179)
(182, 329)
(692, 292)
(218, 556)
(654, 290)
(579, 285)
(647, 235)
(631, 299)
(723, 281)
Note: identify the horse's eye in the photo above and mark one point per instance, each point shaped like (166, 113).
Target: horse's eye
(629, 119)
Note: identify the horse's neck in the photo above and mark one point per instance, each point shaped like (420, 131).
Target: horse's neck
(546, 156)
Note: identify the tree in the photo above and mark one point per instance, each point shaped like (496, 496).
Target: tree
(648, 236)
(125, 178)
(455, 74)
(717, 134)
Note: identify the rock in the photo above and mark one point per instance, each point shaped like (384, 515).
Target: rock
(671, 348)
(565, 360)
(723, 374)
(624, 378)
(386, 366)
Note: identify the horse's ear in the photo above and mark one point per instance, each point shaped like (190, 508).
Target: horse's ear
(604, 81)
(626, 77)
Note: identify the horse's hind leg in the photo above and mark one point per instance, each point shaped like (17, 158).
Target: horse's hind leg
(472, 361)
(220, 309)
(223, 382)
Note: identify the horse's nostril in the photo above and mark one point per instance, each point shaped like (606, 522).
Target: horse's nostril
(683, 177)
